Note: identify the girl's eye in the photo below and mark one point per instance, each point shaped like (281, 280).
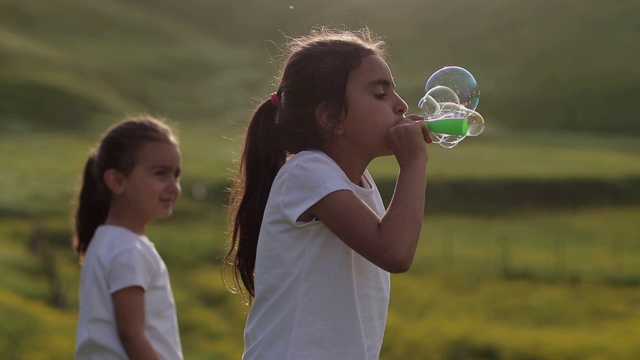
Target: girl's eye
(380, 96)
(161, 173)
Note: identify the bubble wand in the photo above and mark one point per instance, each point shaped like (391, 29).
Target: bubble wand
(449, 126)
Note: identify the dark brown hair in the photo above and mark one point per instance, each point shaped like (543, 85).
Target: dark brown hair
(118, 149)
(315, 72)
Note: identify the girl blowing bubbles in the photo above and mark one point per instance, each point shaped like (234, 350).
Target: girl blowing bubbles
(311, 241)
(127, 310)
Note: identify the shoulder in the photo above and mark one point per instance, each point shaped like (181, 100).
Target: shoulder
(311, 169)
(309, 156)
(311, 162)
(305, 179)
(113, 243)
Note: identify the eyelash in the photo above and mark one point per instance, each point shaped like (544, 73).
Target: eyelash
(165, 173)
(381, 96)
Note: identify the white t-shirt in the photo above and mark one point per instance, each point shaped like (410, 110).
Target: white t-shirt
(315, 297)
(117, 258)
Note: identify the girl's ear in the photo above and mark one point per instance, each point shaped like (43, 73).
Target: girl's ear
(327, 121)
(113, 179)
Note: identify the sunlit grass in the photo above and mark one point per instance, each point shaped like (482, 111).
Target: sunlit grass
(467, 317)
(594, 244)
(513, 156)
(50, 176)
(26, 322)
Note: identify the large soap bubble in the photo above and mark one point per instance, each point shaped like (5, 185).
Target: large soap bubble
(460, 81)
(449, 104)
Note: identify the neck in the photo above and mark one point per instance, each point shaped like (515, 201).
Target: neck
(352, 165)
(121, 217)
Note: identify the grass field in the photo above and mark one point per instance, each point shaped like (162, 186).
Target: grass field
(533, 283)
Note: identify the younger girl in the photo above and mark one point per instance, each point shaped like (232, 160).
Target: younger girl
(127, 310)
(311, 240)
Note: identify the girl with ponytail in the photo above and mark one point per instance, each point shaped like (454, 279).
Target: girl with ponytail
(127, 308)
(311, 242)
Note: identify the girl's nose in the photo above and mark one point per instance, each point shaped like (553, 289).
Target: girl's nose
(402, 106)
(174, 185)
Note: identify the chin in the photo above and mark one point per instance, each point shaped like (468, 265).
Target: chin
(165, 214)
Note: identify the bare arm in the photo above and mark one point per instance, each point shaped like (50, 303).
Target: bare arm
(389, 242)
(129, 308)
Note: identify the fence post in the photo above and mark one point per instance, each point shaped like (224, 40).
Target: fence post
(504, 255)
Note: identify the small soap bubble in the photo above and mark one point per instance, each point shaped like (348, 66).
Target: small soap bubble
(449, 141)
(452, 110)
(443, 94)
(429, 105)
(476, 123)
(460, 81)
(436, 138)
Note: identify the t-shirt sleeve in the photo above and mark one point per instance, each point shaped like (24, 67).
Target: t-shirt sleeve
(308, 181)
(131, 267)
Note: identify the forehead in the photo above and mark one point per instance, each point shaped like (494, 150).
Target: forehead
(158, 153)
(373, 70)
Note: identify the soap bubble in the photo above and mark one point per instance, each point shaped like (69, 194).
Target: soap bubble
(460, 81)
(452, 93)
(449, 141)
(475, 121)
(429, 105)
(443, 94)
(450, 110)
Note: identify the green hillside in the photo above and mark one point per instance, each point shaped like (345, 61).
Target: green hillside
(561, 65)
(67, 62)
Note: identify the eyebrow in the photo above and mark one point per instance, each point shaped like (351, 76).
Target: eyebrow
(383, 82)
(163, 167)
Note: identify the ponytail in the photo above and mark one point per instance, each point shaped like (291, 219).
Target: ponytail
(92, 207)
(261, 159)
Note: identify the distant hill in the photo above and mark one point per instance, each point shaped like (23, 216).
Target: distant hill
(66, 62)
(552, 65)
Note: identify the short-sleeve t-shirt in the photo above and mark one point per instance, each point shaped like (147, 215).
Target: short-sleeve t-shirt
(116, 259)
(316, 298)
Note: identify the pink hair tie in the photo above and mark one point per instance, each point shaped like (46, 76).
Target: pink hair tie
(275, 100)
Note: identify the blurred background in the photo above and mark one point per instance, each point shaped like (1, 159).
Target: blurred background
(531, 243)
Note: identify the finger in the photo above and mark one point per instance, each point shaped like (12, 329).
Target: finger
(415, 117)
(427, 138)
(425, 134)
